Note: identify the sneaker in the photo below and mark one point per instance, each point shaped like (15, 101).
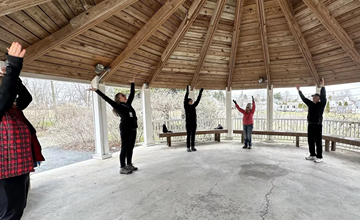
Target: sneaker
(245, 147)
(249, 147)
(193, 149)
(311, 158)
(131, 167)
(318, 160)
(125, 171)
(188, 150)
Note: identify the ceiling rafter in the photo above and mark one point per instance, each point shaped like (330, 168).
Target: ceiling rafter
(144, 34)
(235, 39)
(208, 39)
(264, 41)
(335, 29)
(11, 6)
(294, 27)
(78, 25)
(193, 12)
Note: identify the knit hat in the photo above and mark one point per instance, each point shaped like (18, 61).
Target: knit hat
(248, 105)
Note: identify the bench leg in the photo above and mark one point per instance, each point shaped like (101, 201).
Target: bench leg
(218, 137)
(333, 146)
(297, 141)
(327, 145)
(169, 141)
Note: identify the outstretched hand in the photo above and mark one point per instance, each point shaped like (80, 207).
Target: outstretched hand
(297, 87)
(201, 90)
(15, 50)
(92, 89)
(253, 98)
(322, 82)
(133, 80)
(234, 101)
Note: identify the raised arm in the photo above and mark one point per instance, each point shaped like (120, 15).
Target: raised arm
(199, 97)
(132, 94)
(253, 105)
(107, 99)
(238, 108)
(305, 100)
(24, 98)
(8, 87)
(323, 93)
(186, 96)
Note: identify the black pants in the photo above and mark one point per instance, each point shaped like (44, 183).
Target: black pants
(191, 131)
(128, 138)
(13, 196)
(315, 136)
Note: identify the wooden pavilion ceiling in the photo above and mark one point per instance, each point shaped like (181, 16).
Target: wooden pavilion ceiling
(214, 44)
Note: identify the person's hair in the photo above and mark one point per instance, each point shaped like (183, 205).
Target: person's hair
(117, 100)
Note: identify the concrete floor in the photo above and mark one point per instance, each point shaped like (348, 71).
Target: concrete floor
(219, 181)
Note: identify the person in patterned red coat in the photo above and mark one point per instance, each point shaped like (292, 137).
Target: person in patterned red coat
(19, 149)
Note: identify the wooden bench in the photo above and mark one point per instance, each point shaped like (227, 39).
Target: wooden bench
(216, 132)
(276, 133)
(338, 139)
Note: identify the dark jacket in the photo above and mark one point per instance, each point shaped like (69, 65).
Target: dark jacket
(8, 87)
(190, 110)
(126, 112)
(315, 111)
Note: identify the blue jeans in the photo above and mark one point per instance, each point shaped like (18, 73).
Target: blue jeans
(247, 134)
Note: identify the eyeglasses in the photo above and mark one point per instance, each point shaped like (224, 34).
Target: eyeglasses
(122, 95)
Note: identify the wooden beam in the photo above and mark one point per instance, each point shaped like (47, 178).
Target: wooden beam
(235, 39)
(208, 38)
(144, 34)
(11, 6)
(78, 25)
(262, 25)
(335, 29)
(192, 14)
(294, 27)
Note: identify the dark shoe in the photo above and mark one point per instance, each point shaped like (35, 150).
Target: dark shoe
(188, 150)
(193, 149)
(131, 167)
(249, 147)
(125, 171)
(245, 147)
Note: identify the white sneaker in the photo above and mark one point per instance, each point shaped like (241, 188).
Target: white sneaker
(310, 158)
(318, 160)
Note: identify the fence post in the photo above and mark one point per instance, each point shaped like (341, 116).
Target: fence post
(146, 106)
(101, 132)
(229, 123)
(270, 110)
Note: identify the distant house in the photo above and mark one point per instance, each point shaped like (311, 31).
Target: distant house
(288, 107)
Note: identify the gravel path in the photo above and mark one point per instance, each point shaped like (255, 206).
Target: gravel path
(57, 157)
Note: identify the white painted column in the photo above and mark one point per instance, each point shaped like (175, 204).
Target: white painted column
(229, 121)
(191, 94)
(270, 110)
(101, 132)
(318, 89)
(147, 120)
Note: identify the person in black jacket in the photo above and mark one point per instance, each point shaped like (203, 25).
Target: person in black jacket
(128, 125)
(315, 118)
(190, 111)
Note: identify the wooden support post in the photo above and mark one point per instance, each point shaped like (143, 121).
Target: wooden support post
(327, 145)
(168, 141)
(218, 137)
(333, 146)
(297, 141)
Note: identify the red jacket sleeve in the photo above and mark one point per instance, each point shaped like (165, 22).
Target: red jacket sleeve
(240, 109)
(253, 107)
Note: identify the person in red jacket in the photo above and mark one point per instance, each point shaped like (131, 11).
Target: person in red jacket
(248, 121)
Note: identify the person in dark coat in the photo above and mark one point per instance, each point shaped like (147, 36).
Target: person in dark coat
(315, 117)
(128, 125)
(191, 118)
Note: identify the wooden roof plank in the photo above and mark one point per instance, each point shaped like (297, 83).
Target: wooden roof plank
(8, 7)
(208, 38)
(235, 39)
(335, 29)
(144, 34)
(77, 25)
(193, 12)
(264, 41)
(299, 38)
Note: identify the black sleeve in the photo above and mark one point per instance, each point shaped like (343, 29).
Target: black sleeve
(24, 98)
(305, 100)
(186, 96)
(323, 96)
(198, 99)
(107, 99)
(8, 87)
(132, 94)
